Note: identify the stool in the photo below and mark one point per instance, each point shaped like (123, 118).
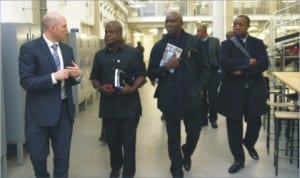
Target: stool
(289, 117)
(273, 92)
(275, 106)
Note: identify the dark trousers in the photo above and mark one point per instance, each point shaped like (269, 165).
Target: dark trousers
(210, 97)
(103, 133)
(192, 124)
(121, 139)
(37, 143)
(235, 135)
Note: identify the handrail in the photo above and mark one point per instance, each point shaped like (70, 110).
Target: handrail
(286, 8)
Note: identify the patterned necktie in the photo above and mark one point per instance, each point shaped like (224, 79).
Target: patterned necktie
(55, 56)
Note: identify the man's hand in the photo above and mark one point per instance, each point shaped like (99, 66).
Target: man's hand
(74, 70)
(252, 61)
(127, 89)
(107, 89)
(236, 72)
(61, 74)
(172, 63)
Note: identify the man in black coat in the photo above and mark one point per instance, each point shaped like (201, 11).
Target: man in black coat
(180, 87)
(243, 92)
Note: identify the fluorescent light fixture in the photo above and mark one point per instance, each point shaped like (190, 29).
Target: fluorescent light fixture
(136, 5)
(138, 34)
(288, 1)
(251, 29)
(153, 30)
(290, 27)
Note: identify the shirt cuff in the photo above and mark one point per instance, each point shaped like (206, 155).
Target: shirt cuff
(54, 81)
(78, 79)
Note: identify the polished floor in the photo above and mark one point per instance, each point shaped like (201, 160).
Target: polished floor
(212, 158)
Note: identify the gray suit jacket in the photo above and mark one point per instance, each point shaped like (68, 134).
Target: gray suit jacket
(213, 51)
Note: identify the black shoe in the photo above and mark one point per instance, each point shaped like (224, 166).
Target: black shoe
(252, 152)
(187, 162)
(235, 167)
(114, 174)
(214, 125)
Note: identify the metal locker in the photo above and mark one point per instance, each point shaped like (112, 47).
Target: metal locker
(13, 35)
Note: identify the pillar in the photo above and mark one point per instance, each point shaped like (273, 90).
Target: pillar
(228, 15)
(218, 25)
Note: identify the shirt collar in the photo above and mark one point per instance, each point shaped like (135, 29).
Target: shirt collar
(205, 39)
(244, 40)
(49, 43)
(120, 48)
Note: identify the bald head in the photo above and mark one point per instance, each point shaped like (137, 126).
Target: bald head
(113, 34)
(55, 26)
(175, 15)
(173, 23)
(51, 18)
(116, 25)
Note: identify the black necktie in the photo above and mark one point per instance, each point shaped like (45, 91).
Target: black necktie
(55, 56)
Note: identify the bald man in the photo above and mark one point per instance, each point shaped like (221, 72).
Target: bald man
(181, 81)
(47, 72)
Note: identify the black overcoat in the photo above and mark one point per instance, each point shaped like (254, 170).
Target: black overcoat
(231, 100)
(195, 63)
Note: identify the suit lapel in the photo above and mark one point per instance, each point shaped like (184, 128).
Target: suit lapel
(210, 46)
(249, 45)
(64, 54)
(47, 51)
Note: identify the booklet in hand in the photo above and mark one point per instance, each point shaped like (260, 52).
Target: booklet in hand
(169, 52)
(121, 76)
(118, 79)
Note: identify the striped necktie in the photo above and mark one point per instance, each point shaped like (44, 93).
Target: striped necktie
(55, 56)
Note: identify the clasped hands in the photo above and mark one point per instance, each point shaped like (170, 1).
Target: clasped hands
(252, 61)
(109, 89)
(70, 71)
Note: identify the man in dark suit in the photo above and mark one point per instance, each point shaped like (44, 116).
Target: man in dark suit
(243, 92)
(181, 81)
(212, 46)
(120, 107)
(47, 71)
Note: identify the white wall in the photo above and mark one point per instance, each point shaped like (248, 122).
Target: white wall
(76, 12)
(16, 11)
(148, 42)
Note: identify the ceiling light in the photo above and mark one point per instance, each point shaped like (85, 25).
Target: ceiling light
(153, 30)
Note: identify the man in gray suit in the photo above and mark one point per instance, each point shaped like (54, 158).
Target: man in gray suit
(212, 46)
(47, 72)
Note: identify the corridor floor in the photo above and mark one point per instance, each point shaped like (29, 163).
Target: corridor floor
(212, 158)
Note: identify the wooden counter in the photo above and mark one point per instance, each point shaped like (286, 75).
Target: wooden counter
(291, 79)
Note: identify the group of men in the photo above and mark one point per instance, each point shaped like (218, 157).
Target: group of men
(185, 83)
